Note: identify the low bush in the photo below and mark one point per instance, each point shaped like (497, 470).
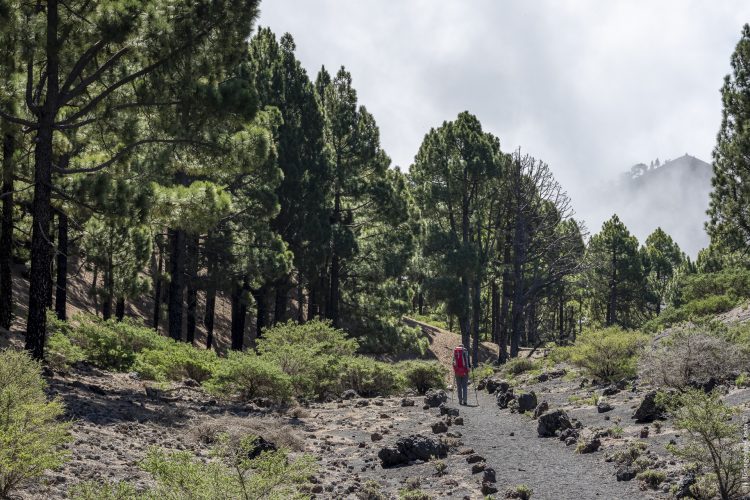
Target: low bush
(690, 355)
(423, 375)
(112, 345)
(171, 360)
(310, 353)
(694, 310)
(610, 354)
(517, 366)
(484, 370)
(62, 353)
(248, 376)
(369, 377)
(652, 478)
(31, 433)
(714, 438)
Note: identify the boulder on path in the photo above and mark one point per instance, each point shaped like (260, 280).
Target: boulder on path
(435, 397)
(553, 422)
(489, 475)
(526, 402)
(604, 407)
(439, 427)
(543, 407)
(626, 473)
(259, 446)
(589, 445)
(552, 374)
(496, 385)
(446, 410)
(411, 448)
(649, 410)
(474, 458)
(407, 402)
(504, 398)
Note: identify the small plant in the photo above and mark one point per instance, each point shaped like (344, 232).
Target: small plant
(609, 354)
(521, 492)
(250, 376)
(743, 380)
(440, 468)
(651, 478)
(714, 440)
(484, 370)
(92, 490)
(31, 435)
(371, 491)
(518, 366)
(369, 377)
(423, 375)
(615, 432)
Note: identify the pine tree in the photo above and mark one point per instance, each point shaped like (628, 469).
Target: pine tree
(729, 222)
(615, 277)
(664, 257)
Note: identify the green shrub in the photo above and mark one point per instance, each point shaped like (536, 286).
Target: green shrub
(92, 490)
(521, 492)
(248, 376)
(517, 366)
(172, 360)
(484, 370)
(714, 439)
(310, 353)
(560, 354)
(61, 353)
(652, 478)
(609, 354)
(369, 377)
(423, 375)
(31, 435)
(694, 310)
(112, 344)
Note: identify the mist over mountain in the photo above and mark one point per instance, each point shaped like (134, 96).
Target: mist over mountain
(673, 195)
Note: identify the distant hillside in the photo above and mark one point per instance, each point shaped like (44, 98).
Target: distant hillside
(673, 195)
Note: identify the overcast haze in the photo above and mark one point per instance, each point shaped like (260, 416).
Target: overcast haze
(590, 87)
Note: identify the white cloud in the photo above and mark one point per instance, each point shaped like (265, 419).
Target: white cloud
(589, 86)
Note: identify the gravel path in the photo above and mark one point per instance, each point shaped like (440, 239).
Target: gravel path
(546, 465)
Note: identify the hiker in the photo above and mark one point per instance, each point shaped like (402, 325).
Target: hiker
(461, 370)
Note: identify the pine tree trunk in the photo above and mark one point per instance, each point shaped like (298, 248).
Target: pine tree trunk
(239, 314)
(476, 311)
(158, 267)
(176, 284)
(420, 301)
(495, 312)
(464, 318)
(208, 318)
(332, 307)
(262, 310)
(61, 288)
(312, 307)
(53, 249)
(192, 287)
(6, 234)
(108, 291)
(120, 308)
(280, 304)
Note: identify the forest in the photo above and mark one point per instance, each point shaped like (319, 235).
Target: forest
(181, 160)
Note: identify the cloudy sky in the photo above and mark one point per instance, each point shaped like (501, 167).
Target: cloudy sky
(591, 87)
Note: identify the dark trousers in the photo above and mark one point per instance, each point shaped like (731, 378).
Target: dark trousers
(462, 385)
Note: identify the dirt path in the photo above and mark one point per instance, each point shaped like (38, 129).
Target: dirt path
(550, 468)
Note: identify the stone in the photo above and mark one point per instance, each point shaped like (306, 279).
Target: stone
(626, 473)
(571, 441)
(526, 401)
(684, 484)
(376, 436)
(541, 409)
(488, 488)
(407, 402)
(458, 421)
(466, 451)
(474, 458)
(446, 410)
(477, 467)
(435, 397)
(410, 449)
(569, 433)
(590, 445)
(552, 374)
(259, 446)
(489, 475)
(439, 427)
(553, 422)
(362, 403)
(610, 390)
(644, 432)
(604, 407)
(349, 394)
(649, 410)
(505, 398)
(495, 385)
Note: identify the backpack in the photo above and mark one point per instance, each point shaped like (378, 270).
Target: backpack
(460, 367)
